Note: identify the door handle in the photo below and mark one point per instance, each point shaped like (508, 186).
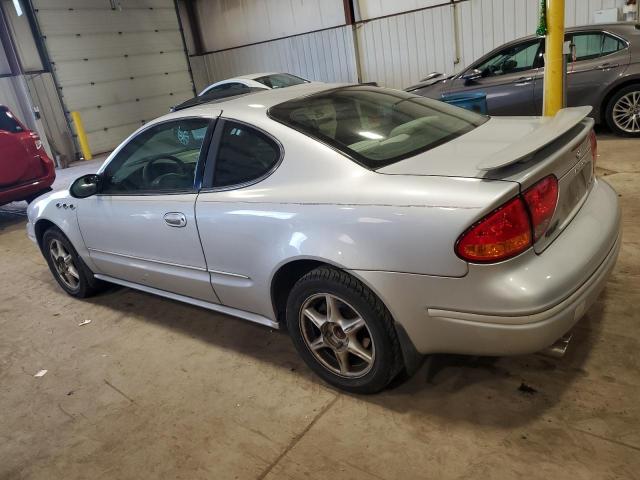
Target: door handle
(175, 219)
(606, 66)
(523, 81)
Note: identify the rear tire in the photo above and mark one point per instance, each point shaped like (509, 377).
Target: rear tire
(623, 111)
(71, 273)
(343, 332)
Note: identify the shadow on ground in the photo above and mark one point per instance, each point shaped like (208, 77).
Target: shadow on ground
(501, 392)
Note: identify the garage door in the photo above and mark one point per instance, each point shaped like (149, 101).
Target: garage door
(120, 63)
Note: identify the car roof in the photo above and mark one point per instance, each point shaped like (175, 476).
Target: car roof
(253, 76)
(618, 28)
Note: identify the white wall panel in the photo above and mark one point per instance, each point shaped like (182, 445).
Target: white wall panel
(70, 47)
(378, 8)
(119, 91)
(232, 23)
(45, 96)
(78, 72)
(326, 56)
(5, 68)
(100, 4)
(22, 38)
(9, 97)
(92, 21)
(119, 66)
(398, 51)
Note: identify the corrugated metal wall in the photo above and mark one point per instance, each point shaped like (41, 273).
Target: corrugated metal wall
(231, 23)
(326, 56)
(118, 67)
(399, 49)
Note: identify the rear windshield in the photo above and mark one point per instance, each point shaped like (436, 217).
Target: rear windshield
(376, 126)
(7, 122)
(281, 80)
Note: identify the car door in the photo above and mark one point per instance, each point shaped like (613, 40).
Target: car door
(507, 78)
(599, 59)
(233, 233)
(141, 227)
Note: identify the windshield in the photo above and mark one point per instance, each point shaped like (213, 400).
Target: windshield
(281, 80)
(375, 126)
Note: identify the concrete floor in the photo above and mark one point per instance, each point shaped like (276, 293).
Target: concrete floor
(156, 389)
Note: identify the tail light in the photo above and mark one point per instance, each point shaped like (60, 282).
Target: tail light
(36, 140)
(512, 228)
(542, 199)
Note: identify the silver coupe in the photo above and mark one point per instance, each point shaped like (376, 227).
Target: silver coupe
(375, 225)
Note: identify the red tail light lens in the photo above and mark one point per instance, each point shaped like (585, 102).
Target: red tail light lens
(500, 235)
(542, 199)
(507, 231)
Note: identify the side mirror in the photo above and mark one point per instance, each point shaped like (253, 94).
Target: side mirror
(85, 186)
(471, 76)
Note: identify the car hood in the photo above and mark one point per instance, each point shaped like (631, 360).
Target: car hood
(498, 143)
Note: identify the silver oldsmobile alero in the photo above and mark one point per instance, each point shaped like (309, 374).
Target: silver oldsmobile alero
(374, 224)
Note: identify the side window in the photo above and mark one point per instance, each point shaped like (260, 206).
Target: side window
(160, 159)
(611, 44)
(516, 58)
(244, 155)
(7, 122)
(594, 44)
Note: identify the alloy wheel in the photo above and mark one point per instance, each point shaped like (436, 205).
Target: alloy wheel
(337, 335)
(64, 264)
(626, 112)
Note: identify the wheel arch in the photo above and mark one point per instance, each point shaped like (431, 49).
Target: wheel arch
(290, 272)
(635, 80)
(41, 226)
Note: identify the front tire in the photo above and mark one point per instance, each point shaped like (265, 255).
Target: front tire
(623, 111)
(343, 331)
(67, 267)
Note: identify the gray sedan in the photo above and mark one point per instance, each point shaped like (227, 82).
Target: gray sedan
(603, 71)
(374, 225)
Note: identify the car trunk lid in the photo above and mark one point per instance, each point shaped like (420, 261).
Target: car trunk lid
(522, 150)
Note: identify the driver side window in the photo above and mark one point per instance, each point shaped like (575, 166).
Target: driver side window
(516, 58)
(161, 159)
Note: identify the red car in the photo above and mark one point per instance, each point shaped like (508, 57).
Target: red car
(26, 171)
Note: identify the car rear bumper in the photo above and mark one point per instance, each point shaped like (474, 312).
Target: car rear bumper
(514, 307)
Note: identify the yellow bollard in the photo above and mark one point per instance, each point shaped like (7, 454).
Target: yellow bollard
(554, 62)
(82, 136)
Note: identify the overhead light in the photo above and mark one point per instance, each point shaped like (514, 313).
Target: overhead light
(256, 105)
(18, 7)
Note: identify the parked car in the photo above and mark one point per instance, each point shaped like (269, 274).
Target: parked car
(603, 72)
(264, 81)
(374, 224)
(26, 170)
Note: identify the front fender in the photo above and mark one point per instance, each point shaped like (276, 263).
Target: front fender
(58, 209)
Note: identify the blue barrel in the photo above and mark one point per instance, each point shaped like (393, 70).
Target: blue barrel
(474, 101)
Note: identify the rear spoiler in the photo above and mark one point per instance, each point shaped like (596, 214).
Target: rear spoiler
(549, 130)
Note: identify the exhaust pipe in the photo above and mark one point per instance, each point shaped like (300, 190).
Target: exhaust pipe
(558, 349)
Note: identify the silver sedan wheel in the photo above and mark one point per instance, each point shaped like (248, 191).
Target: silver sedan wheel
(626, 112)
(64, 265)
(337, 335)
